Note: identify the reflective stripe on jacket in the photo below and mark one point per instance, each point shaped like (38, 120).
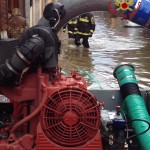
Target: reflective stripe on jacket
(86, 24)
(72, 22)
(72, 26)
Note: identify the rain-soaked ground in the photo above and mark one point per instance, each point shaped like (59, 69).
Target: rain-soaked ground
(110, 45)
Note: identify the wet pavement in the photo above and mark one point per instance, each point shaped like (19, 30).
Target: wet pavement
(110, 45)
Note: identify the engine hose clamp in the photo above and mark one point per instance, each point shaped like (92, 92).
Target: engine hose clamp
(11, 68)
(58, 18)
(23, 58)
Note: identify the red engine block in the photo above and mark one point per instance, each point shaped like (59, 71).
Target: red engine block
(55, 115)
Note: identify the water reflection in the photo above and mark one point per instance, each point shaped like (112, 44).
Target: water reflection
(111, 44)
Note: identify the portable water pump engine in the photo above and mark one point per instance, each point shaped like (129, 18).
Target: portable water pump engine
(45, 110)
(69, 118)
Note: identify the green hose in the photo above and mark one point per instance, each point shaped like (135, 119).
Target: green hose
(91, 77)
(134, 103)
(64, 72)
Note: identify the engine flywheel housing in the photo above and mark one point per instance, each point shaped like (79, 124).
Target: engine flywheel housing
(70, 117)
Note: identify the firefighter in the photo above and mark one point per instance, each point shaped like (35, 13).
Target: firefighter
(86, 27)
(72, 28)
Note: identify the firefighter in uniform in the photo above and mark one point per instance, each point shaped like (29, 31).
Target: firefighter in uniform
(72, 28)
(86, 27)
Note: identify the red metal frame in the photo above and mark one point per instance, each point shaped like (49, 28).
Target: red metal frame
(79, 114)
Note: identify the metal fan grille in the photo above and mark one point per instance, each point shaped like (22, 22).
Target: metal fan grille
(70, 117)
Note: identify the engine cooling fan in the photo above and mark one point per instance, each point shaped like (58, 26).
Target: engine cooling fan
(70, 117)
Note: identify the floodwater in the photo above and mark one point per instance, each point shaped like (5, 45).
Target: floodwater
(110, 45)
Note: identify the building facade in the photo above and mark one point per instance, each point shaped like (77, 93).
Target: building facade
(34, 10)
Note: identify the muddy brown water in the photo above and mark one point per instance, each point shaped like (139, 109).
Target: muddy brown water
(110, 45)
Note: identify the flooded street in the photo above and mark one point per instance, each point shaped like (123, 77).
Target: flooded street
(110, 45)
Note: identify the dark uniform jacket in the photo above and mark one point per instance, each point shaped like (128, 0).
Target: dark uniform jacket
(86, 24)
(72, 26)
